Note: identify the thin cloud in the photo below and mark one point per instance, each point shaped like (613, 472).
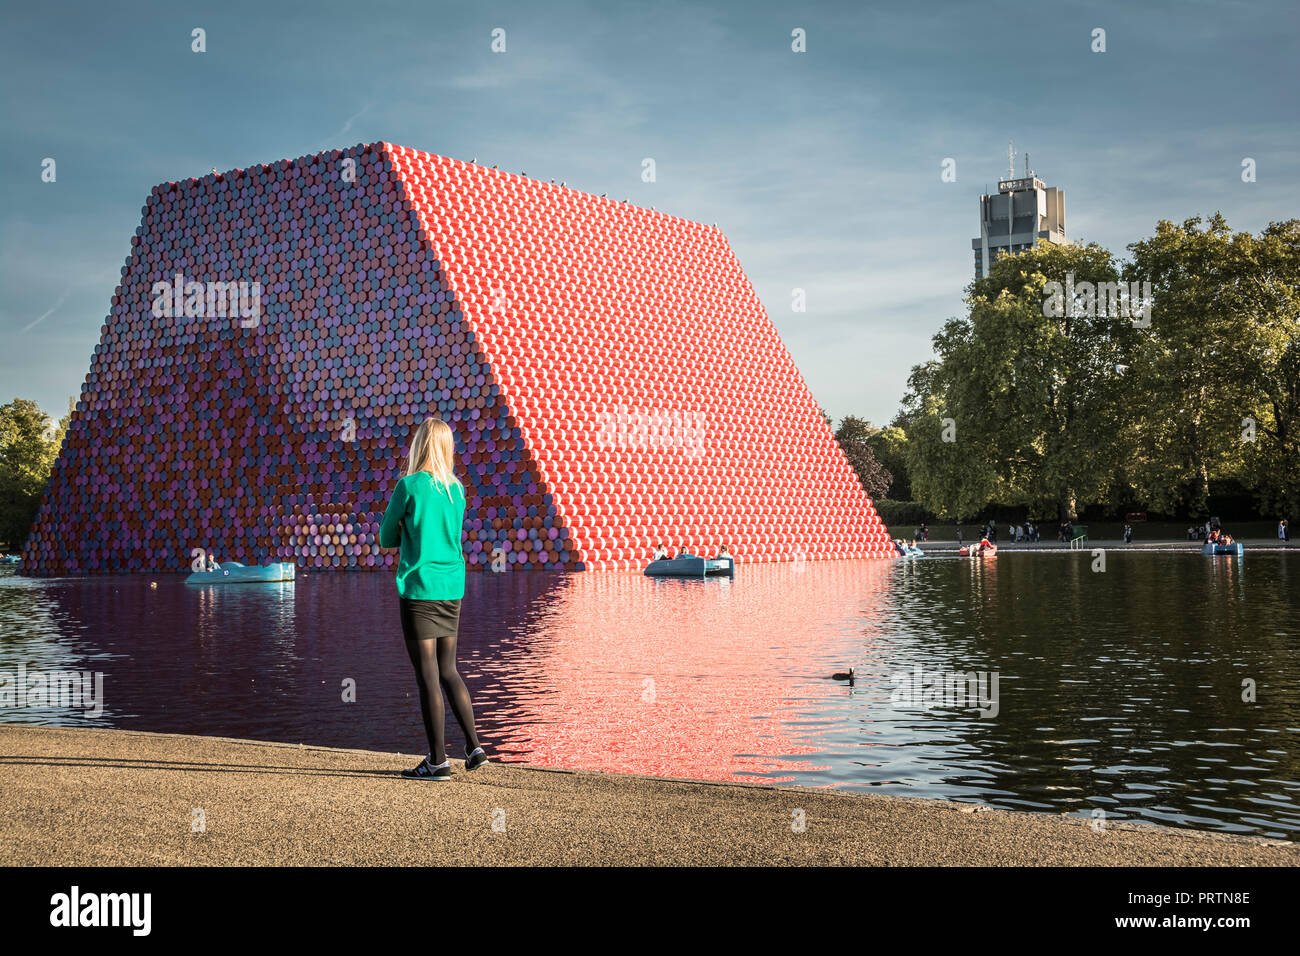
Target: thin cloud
(93, 281)
(334, 139)
(45, 315)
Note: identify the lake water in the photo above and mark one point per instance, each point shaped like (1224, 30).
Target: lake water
(1119, 691)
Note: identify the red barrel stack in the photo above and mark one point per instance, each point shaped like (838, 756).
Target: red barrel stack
(612, 379)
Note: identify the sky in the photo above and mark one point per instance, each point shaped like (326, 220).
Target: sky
(823, 167)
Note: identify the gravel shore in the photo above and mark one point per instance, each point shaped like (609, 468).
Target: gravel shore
(114, 797)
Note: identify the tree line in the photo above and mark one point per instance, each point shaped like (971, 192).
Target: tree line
(1076, 380)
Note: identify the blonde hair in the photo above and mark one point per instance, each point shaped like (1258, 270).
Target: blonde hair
(433, 449)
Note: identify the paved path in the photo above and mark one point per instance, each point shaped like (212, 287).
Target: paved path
(110, 797)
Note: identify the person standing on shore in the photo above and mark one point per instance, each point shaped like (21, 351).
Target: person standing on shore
(1128, 534)
(424, 519)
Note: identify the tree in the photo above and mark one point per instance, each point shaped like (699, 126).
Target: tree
(888, 445)
(29, 444)
(1023, 404)
(854, 436)
(1217, 375)
(1185, 374)
(1267, 295)
(944, 477)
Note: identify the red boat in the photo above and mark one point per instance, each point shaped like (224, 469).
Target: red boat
(977, 552)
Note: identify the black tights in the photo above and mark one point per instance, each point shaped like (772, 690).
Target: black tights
(434, 660)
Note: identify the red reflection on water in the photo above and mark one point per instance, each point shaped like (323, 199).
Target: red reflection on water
(629, 674)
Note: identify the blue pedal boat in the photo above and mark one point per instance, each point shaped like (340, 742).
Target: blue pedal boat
(1211, 548)
(232, 572)
(691, 566)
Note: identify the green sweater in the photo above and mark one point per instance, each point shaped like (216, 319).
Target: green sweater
(426, 524)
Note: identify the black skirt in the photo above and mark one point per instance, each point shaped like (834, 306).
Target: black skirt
(422, 620)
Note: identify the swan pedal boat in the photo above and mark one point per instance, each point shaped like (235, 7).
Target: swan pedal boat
(1211, 548)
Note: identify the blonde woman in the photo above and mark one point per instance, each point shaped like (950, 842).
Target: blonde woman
(424, 519)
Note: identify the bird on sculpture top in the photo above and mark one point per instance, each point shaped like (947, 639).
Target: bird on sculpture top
(603, 195)
(494, 165)
(474, 160)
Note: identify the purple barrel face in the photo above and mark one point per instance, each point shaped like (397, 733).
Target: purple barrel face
(278, 334)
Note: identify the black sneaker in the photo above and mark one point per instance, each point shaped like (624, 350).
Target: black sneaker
(427, 771)
(476, 759)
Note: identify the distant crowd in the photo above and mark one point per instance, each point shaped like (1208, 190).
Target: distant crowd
(1213, 531)
(1065, 532)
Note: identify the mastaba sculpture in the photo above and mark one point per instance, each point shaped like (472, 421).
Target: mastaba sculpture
(612, 379)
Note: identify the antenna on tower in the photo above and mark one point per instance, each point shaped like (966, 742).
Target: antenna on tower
(1027, 173)
(1011, 161)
